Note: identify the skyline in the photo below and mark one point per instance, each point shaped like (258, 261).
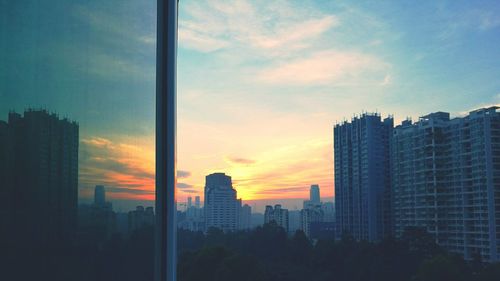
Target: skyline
(260, 85)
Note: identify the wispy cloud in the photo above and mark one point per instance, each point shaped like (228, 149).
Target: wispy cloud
(184, 185)
(269, 28)
(239, 160)
(325, 67)
(183, 174)
(190, 191)
(456, 25)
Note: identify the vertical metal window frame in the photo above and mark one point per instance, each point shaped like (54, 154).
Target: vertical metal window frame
(166, 91)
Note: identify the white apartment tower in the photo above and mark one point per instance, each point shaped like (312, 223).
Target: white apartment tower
(221, 206)
(446, 180)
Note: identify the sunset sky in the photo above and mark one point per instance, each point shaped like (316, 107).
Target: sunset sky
(260, 83)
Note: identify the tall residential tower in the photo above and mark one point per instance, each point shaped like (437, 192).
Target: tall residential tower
(362, 177)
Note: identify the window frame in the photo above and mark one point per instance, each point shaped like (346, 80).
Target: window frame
(166, 94)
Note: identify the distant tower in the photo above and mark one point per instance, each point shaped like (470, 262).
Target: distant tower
(314, 194)
(99, 195)
(190, 202)
(197, 202)
(245, 217)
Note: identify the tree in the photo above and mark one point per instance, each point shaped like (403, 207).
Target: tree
(439, 268)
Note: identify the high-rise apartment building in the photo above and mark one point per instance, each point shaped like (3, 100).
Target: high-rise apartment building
(140, 217)
(221, 205)
(39, 177)
(308, 216)
(362, 177)
(446, 179)
(277, 215)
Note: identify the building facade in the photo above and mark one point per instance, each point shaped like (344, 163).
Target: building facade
(140, 218)
(221, 203)
(362, 177)
(39, 177)
(277, 215)
(446, 180)
(309, 217)
(245, 217)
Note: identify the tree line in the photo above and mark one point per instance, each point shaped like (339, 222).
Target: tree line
(267, 253)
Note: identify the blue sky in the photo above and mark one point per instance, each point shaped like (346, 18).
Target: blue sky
(266, 80)
(260, 83)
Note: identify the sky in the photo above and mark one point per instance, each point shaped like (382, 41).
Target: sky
(260, 83)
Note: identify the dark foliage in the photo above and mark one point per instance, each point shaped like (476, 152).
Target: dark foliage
(263, 254)
(266, 253)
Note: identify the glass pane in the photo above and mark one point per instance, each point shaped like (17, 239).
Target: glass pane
(298, 156)
(77, 139)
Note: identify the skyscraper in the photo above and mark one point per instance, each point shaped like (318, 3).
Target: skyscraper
(314, 198)
(221, 205)
(314, 194)
(362, 177)
(446, 180)
(39, 159)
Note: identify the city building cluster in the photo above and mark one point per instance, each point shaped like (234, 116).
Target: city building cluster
(439, 174)
(224, 211)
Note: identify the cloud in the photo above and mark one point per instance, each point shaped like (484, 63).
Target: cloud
(121, 45)
(268, 28)
(183, 174)
(324, 67)
(455, 24)
(184, 185)
(120, 164)
(201, 42)
(190, 191)
(387, 80)
(284, 190)
(488, 20)
(237, 160)
(131, 191)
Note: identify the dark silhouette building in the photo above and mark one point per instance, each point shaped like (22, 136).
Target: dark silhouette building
(140, 217)
(96, 222)
(99, 195)
(39, 177)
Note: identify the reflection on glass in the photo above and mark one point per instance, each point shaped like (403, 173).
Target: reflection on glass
(77, 109)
